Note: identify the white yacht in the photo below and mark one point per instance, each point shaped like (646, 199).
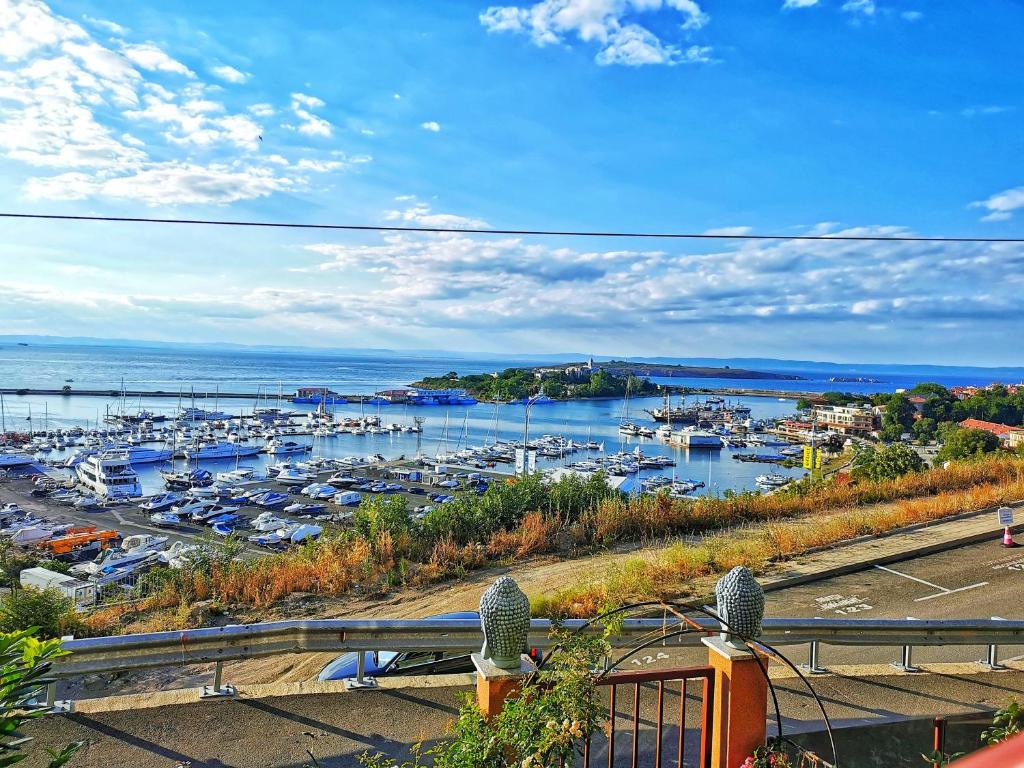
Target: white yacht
(109, 474)
(218, 450)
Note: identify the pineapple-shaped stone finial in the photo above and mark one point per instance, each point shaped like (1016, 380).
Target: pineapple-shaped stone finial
(505, 618)
(740, 604)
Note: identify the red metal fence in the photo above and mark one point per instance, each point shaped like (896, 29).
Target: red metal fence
(653, 688)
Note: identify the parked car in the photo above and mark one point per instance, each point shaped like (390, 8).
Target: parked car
(390, 663)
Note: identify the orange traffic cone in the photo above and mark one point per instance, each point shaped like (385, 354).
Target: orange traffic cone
(1008, 538)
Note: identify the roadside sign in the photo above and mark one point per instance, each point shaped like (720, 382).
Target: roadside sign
(1005, 516)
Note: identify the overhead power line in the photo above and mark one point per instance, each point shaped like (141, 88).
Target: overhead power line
(525, 232)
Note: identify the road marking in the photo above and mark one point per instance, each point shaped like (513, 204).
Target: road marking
(945, 592)
(942, 590)
(912, 578)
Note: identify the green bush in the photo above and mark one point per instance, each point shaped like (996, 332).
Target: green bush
(50, 610)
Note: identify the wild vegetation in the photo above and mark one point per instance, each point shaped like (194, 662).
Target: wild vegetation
(387, 549)
(939, 416)
(517, 383)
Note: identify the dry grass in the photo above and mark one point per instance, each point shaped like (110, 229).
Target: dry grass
(336, 565)
(681, 567)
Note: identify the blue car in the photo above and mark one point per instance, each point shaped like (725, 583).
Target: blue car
(381, 663)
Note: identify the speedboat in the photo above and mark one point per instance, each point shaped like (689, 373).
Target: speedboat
(304, 532)
(86, 502)
(319, 491)
(294, 476)
(239, 475)
(190, 506)
(279, 447)
(268, 521)
(252, 493)
(270, 499)
(180, 555)
(267, 539)
(772, 480)
(305, 509)
(162, 501)
(112, 561)
(142, 542)
(165, 519)
(211, 512)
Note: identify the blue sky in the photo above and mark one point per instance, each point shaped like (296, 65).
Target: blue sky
(781, 116)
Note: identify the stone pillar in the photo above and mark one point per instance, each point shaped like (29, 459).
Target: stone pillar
(494, 684)
(741, 703)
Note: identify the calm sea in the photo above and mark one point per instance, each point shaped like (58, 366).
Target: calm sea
(444, 428)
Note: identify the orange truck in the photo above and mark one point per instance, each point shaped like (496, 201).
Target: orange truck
(82, 537)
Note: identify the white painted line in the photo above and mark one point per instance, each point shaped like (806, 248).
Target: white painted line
(912, 578)
(950, 591)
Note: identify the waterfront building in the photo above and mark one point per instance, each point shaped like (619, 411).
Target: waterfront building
(850, 419)
(1002, 431)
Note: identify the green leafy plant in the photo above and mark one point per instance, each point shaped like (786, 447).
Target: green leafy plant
(1006, 722)
(541, 727)
(939, 759)
(25, 662)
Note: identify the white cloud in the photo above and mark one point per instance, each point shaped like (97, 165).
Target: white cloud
(728, 231)
(865, 7)
(64, 100)
(105, 24)
(396, 96)
(991, 109)
(610, 24)
(319, 166)
(149, 57)
(367, 132)
(421, 215)
(507, 284)
(790, 4)
(307, 101)
(261, 110)
(165, 184)
(1001, 206)
(229, 74)
(911, 15)
(431, 125)
(310, 124)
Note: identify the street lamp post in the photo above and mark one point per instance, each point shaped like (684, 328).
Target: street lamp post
(526, 431)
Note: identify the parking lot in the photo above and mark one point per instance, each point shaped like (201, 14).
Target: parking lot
(385, 480)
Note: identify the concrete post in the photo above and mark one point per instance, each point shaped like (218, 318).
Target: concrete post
(494, 684)
(741, 703)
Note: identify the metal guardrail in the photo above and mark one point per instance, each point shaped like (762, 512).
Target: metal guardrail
(244, 641)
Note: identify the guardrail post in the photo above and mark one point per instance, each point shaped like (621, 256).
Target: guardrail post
(55, 707)
(991, 660)
(812, 665)
(360, 680)
(906, 662)
(218, 689)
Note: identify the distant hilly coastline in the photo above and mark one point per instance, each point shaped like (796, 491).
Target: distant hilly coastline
(724, 367)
